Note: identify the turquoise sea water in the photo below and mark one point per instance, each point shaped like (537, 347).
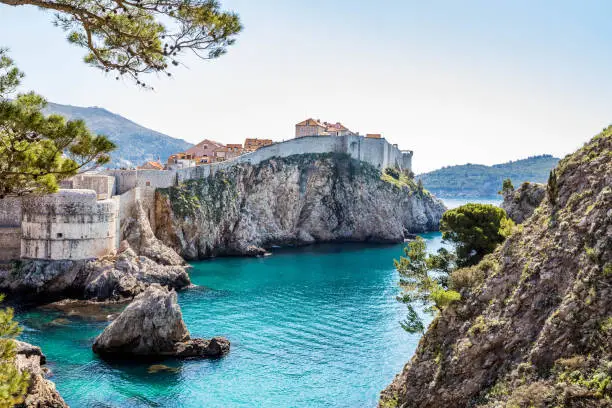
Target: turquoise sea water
(310, 327)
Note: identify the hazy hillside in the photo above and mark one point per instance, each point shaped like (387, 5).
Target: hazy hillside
(477, 180)
(136, 144)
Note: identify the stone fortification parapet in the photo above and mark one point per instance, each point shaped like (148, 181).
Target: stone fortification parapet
(70, 224)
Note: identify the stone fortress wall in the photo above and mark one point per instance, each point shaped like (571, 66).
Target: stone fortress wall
(84, 219)
(70, 224)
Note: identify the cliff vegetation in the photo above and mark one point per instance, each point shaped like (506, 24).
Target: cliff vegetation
(299, 199)
(477, 180)
(533, 325)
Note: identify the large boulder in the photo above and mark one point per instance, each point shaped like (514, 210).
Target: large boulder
(152, 325)
(41, 392)
(521, 203)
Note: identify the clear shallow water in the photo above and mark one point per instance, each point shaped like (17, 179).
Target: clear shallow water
(310, 327)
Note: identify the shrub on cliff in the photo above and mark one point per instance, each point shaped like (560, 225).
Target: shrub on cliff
(393, 172)
(424, 280)
(475, 230)
(13, 383)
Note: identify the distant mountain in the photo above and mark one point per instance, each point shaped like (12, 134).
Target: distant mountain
(477, 180)
(135, 144)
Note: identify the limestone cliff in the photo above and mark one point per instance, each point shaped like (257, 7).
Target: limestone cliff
(534, 325)
(41, 391)
(299, 199)
(521, 203)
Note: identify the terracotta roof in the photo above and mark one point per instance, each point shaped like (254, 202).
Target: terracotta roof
(336, 126)
(310, 122)
(155, 164)
(210, 145)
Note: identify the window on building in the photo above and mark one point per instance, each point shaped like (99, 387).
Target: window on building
(60, 235)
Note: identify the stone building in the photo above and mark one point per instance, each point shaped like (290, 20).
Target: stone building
(252, 144)
(78, 222)
(151, 165)
(311, 127)
(205, 148)
(82, 221)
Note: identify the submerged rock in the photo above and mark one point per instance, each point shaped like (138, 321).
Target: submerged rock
(152, 326)
(41, 392)
(301, 199)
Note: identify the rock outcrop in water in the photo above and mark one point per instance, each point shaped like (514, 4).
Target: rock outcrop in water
(41, 392)
(152, 326)
(299, 199)
(114, 277)
(534, 325)
(521, 203)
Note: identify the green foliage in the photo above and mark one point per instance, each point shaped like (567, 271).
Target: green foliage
(475, 230)
(137, 37)
(475, 180)
(408, 173)
(36, 151)
(13, 383)
(424, 280)
(507, 185)
(10, 76)
(552, 188)
(401, 182)
(393, 172)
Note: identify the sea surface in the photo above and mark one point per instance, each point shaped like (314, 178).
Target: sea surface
(315, 326)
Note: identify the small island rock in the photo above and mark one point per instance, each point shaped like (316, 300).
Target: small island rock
(152, 326)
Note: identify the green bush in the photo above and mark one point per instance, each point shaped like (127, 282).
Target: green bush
(393, 172)
(475, 230)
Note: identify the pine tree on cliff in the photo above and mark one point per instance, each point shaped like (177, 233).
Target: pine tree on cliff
(128, 38)
(13, 384)
(37, 152)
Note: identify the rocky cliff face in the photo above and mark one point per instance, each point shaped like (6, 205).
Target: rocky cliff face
(41, 392)
(521, 203)
(534, 325)
(140, 261)
(295, 200)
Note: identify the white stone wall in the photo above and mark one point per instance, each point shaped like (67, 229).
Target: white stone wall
(70, 224)
(103, 185)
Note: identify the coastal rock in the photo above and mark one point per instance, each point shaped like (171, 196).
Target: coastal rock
(521, 203)
(152, 326)
(533, 327)
(114, 277)
(138, 233)
(41, 391)
(294, 200)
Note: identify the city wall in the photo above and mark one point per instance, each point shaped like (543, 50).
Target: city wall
(84, 221)
(70, 224)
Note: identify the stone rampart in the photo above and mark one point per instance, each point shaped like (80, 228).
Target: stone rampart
(10, 243)
(70, 224)
(103, 185)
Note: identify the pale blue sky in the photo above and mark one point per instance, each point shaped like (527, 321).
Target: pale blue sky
(455, 81)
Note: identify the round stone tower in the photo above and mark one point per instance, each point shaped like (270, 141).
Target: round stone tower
(70, 224)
